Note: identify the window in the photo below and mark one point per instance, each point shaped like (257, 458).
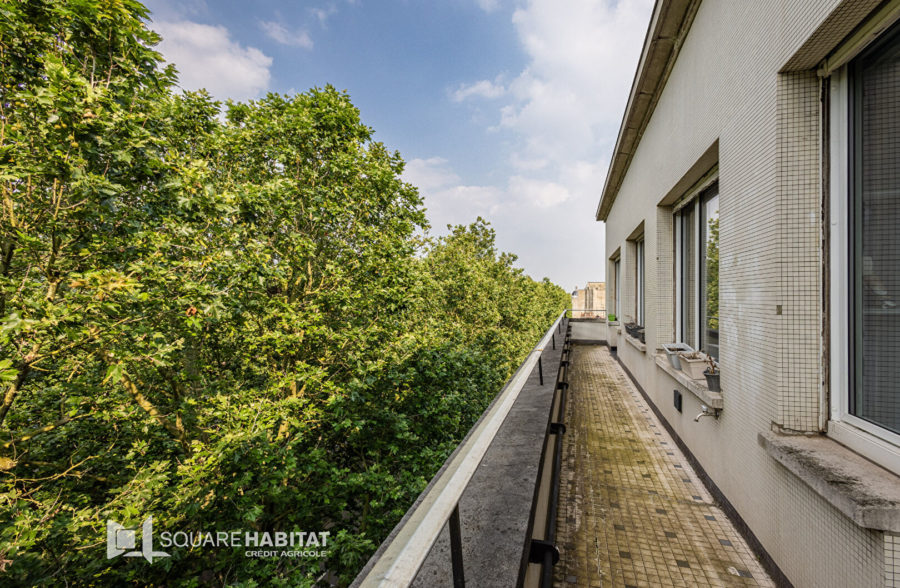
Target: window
(697, 272)
(639, 277)
(617, 276)
(864, 143)
(874, 233)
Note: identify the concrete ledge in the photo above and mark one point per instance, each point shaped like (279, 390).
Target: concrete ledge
(636, 343)
(864, 492)
(696, 387)
(588, 331)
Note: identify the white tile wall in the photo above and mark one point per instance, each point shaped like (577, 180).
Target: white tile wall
(726, 85)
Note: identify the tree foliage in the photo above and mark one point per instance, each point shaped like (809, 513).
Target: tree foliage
(226, 323)
(712, 273)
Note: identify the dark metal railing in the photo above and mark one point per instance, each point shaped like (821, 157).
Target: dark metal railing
(543, 553)
(586, 313)
(399, 562)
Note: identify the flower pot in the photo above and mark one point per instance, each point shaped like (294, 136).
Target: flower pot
(712, 381)
(693, 368)
(672, 350)
(635, 331)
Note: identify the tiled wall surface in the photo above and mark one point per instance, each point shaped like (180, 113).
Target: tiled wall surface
(629, 277)
(799, 221)
(891, 560)
(726, 85)
(663, 305)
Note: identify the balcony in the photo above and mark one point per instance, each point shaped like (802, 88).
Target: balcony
(568, 479)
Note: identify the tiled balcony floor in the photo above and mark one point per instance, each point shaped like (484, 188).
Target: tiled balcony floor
(632, 510)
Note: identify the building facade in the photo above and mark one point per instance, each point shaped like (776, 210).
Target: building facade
(752, 211)
(590, 301)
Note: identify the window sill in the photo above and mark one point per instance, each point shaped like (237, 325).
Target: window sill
(866, 493)
(636, 343)
(696, 387)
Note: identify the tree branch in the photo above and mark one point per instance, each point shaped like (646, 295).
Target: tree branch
(11, 392)
(45, 429)
(174, 429)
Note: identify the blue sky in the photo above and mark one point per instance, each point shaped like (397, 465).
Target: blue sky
(507, 109)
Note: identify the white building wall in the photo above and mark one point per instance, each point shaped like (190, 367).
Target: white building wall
(725, 86)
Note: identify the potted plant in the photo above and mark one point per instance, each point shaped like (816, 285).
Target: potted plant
(692, 364)
(672, 350)
(611, 318)
(712, 374)
(635, 331)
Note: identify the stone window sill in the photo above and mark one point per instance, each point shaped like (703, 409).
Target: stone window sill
(636, 343)
(696, 387)
(866, 493)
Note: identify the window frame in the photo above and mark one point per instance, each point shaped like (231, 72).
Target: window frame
(617, 286)
(640, 281)
(687, 214)
(865, 437)
(689, 211)
(708, 195)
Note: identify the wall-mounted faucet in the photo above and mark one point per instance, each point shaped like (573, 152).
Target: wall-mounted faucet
(705, 411)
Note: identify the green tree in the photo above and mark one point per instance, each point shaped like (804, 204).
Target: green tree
(225, 324)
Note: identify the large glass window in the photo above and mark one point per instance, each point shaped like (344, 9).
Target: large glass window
(618, 292)
(639, 293)
(697, 272)
(709, 272)
(875, 233)
(686, 320)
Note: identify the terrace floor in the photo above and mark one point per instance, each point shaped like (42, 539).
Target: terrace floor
(632, 510)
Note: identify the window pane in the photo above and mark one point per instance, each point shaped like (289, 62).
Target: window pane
(640, 282)
(618, 295)
(876, 245)
(709, 267)
(687, 274)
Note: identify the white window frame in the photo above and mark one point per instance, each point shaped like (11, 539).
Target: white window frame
(640, 251)
(868, 439)
(693, 202)
(679, 286)
(617, 287)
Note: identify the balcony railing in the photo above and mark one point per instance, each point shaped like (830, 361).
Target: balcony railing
(399, 560)
(588, 313)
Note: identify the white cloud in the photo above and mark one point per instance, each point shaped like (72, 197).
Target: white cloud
(482, 89)
(524, 163)
(569, 100)
(539, 193)
(429, 174)
(461, 204)
(323, 14)
(448, 200)
(489, 5)
(280, 34)
(206, 57)
(561, 114)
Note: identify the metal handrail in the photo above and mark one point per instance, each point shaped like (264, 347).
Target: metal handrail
(401, 560)
(602, 312)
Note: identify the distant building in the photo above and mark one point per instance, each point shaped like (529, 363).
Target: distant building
(590, 301)
(752, 211)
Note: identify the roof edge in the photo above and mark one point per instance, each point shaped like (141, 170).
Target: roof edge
(669, 25)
